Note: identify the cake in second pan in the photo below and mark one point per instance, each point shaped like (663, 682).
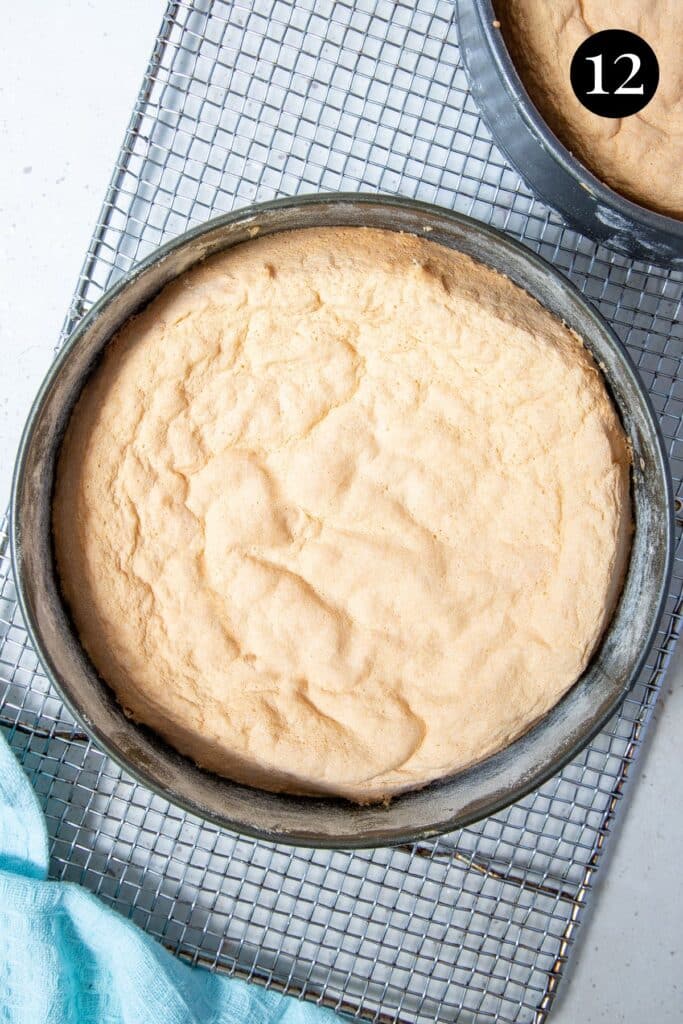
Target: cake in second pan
(640, 156)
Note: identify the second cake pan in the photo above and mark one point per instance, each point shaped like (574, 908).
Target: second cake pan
(550, 170)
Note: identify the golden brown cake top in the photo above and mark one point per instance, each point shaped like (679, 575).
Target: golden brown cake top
(342, 512)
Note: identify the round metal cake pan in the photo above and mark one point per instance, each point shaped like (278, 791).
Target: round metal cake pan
(441, 806)
(547, 166)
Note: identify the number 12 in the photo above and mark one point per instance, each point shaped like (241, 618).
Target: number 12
(624, 89)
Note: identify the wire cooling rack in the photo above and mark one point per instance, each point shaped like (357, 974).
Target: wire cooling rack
(241, 102)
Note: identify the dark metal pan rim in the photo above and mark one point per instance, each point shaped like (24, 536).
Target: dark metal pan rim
(446, 804)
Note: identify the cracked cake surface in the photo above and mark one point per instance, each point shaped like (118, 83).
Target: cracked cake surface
(342, 512)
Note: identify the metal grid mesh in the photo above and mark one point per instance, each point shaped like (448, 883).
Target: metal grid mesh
(243, 102)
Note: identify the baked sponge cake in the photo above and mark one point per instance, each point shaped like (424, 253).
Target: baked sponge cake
(639, 156)
(342, 512)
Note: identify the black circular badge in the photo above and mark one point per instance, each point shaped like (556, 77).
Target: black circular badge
(614, 73)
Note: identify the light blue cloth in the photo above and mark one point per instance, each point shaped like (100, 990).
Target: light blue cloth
(66, 958)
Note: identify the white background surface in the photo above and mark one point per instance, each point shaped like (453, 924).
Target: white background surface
(69, 74)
